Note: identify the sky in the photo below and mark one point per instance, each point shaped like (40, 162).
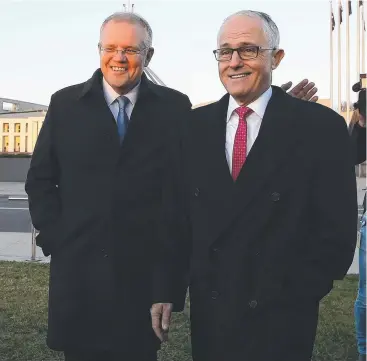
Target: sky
(50, 44)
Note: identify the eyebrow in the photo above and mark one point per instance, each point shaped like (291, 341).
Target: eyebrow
(226, 45)
(114, 46)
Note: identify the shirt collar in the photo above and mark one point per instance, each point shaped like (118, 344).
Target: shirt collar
(111, 95)
(258, 106)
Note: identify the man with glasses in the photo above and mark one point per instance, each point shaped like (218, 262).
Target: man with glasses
(95, 186)
(270, 231)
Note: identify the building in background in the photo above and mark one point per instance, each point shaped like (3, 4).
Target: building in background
(20, 123)
(12, 105)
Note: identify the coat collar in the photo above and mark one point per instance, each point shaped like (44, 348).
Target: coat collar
(258, 106)
(94, 85)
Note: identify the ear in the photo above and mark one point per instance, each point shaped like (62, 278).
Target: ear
(278, 55)
(149, 56)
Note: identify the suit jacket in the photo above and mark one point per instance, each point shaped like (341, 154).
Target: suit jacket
(98, 206)
(266, 249)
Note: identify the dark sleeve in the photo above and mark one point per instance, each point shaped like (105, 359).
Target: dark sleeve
(41, 183)
(329, 251)
(358, 137)
(171, 271)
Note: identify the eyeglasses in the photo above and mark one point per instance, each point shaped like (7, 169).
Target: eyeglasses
(128, 51)
(244, 52)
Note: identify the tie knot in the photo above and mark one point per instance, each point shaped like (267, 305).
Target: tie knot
(243, 112)
(122, 101)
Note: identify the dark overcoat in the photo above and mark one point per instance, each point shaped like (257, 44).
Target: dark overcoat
(267, 248)
(98, 207)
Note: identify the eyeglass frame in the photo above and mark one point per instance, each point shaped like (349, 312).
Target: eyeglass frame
(123, 51)
(258, 48)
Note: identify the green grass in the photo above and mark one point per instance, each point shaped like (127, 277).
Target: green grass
(23, 319)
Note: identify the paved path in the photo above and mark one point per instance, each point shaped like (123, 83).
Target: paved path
(16, 246)
(14, 216)
(12, 189)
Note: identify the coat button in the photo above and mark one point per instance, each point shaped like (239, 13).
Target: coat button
(253, 304)
(215, 295)
(197, 192)
(275, 197)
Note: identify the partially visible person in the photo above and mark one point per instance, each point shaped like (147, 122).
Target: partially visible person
(360, 304)
(357, 128)
(358, 135)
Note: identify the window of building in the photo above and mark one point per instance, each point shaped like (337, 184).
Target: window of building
(17, 127)
(5, 143)
(6, 128)
(26, 127)
(26, 143)
(17, 144)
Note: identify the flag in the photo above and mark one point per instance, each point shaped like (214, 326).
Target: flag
(340, 14)
(350, 7)
(332, 22)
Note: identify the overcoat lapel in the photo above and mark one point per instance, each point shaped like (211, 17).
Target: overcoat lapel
(271, 148)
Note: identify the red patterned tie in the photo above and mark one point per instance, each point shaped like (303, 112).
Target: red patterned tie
(240, 142)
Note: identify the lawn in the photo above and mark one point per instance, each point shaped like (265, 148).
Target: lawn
(23, 315)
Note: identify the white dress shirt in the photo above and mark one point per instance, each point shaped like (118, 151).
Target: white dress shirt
(253, 123)
(110, 96)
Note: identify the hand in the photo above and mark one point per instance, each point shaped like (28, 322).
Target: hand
(303, 90)
(161, 319)
(362, 122)
(357, 118)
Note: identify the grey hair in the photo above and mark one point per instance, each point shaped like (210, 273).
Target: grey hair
(270, 28)
(131, 18)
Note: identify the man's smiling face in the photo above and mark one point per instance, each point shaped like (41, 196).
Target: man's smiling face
(246, 80)
(123, 71)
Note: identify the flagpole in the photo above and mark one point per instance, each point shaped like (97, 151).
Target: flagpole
(339, 61)
(358, 41)
(331, 58)
(348, 60)
(363, 42)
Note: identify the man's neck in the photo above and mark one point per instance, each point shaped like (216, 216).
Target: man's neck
(244, 101)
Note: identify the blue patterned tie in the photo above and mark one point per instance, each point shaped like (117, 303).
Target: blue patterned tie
(122, 117)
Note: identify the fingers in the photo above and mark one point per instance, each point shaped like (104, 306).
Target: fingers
(161, 319)
(156, 313)
(298, 88)
(286, 86)
(305, 91)
(309, 92)
(166, 317)
(314, 99)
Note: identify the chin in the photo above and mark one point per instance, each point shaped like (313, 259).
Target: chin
(239, 94)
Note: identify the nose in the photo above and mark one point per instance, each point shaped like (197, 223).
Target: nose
(236, 61)
(120, 56)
